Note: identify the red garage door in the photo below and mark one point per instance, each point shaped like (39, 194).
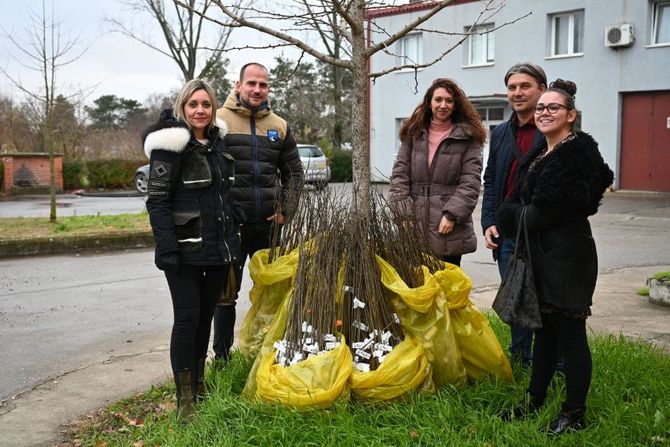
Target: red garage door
(645, 141)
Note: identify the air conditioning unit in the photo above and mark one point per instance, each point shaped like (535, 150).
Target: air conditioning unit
(620, 35)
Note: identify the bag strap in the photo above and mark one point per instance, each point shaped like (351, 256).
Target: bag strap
(521, 227)
(525, 234)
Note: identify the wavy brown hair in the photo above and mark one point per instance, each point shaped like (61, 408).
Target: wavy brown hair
(464, 113)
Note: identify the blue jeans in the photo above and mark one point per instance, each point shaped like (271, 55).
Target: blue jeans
(521, 344)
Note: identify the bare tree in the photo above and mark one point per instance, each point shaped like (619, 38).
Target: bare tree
(183, 32)
(46, 50)
(361, 38)
(326, 21)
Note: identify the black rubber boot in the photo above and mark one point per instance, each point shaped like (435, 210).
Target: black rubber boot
(198, 383)
(224, 330)
(530, 405)
(571, 420)
(185, 407)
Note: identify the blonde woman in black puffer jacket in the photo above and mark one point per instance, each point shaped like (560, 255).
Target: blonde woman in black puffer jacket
(195, 225)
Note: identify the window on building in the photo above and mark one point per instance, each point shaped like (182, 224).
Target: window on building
(480, 45)
(660, 30)
(567, 33)
(398, 123)
(492, 113)
(410, 50)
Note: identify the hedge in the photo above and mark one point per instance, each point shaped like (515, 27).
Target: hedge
(340, 167)
(99, 174)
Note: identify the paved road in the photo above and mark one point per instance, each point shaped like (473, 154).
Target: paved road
(72, 205)
(62, 313)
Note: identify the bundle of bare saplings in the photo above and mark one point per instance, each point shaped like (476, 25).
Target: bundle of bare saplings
(338, 287)
(354, 303)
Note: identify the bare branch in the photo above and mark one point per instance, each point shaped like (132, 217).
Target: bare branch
(121, 27)
(272, 32)
(463, 36)
(409, 27)
(183, 33)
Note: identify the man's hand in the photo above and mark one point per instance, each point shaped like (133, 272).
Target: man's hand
(491, 236)
(446, 226)
(278, 218)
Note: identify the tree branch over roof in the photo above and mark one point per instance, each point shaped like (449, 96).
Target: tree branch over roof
(183, 33)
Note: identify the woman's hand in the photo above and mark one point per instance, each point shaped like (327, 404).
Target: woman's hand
(446, 226)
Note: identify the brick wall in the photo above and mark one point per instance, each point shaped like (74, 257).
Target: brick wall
(29, 172)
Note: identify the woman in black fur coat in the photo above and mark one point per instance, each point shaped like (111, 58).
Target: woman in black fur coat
(563, 186)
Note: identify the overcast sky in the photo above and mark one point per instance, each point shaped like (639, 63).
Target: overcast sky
(113, 63)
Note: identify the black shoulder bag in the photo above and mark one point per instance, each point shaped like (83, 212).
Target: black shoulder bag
(516, 301)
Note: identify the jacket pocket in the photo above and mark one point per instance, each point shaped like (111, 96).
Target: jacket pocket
(196, 173)
(188, 226)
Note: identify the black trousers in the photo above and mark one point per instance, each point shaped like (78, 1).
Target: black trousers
(254, 236)
(570, 334)
(195, 291)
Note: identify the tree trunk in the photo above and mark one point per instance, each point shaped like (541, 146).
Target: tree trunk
(52, 168)
(359, 115)
(336, 79)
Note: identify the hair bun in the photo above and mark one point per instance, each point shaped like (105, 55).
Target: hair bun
(568, 87)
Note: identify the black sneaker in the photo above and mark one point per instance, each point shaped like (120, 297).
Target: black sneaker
(567, 421)
(527, 408)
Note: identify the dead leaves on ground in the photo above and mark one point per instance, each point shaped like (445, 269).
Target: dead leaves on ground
(125, 417)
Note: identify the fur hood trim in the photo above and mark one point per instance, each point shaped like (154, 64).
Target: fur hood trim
(223, 127)
(174, 138)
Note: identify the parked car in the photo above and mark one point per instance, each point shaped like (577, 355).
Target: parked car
(142, 179)
(315, 164)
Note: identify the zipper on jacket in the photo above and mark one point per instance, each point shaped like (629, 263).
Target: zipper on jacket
(257, 174)
(222, 227)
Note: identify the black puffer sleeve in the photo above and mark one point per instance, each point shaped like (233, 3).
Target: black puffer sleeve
(164, 173)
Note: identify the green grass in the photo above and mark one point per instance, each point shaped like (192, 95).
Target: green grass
(643, 291)
(14, 228)
(628, 406)
(661, 276)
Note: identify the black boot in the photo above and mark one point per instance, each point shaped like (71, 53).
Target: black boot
(185, 407)
(224, 330)
(570, 420)
(530, 405)
(198, 384)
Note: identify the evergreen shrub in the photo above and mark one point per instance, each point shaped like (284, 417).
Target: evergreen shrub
(340, 167)
(111, 174)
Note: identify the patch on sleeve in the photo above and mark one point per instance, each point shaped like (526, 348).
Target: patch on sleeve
(161, 170)
(273, 135)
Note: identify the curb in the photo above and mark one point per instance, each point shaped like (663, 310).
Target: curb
(62, 245)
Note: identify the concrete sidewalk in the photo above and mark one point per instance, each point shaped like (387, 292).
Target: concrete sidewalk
(37, 417)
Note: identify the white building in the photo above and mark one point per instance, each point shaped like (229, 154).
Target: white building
(616, 51)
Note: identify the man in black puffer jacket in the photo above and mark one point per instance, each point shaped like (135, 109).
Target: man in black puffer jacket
(266, 161)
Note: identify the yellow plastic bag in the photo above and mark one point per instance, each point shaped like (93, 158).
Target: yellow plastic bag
(315, 382)
(404, 369)
(271, 285)
(479, 347)
(423, 313)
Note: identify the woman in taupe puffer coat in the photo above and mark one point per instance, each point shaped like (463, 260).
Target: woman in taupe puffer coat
(437, 173)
